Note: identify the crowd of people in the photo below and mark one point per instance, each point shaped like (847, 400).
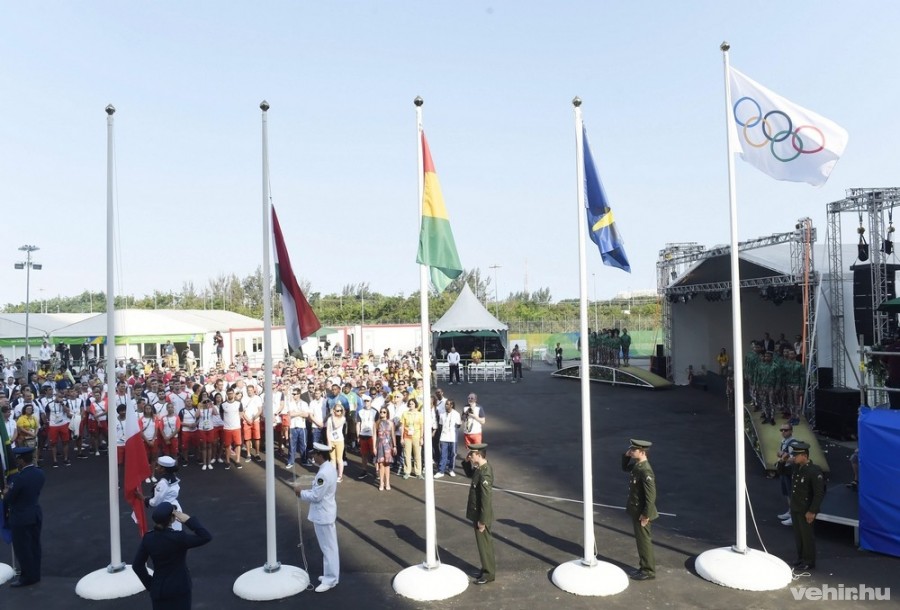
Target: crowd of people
(609, 347)
(776, 376)
(365, 405)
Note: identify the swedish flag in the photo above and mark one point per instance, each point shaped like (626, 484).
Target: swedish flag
(601, 223)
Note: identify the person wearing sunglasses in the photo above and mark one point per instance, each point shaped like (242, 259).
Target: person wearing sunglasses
(335, 431)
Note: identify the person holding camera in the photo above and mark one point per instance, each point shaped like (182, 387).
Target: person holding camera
(473, 421)
(641, 505)
(170, 586)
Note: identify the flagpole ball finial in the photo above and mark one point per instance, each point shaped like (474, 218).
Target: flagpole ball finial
(110, 110)
(418, 101)
(264, 105)
(725, 46)
(576, 102)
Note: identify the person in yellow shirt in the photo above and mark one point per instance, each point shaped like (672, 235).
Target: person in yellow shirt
(723, 360)
(412, 421)
(476, 356)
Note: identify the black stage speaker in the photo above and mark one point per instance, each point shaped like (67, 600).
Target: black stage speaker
(862, 298)
(837, 412)
(826, 377)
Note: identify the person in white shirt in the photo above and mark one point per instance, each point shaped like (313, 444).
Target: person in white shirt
(250, 420)
(318, 410)
(298, 414)
(450, 423)
(323, 514)
(46, 353)
(59, 414)
(473, 420)
(453, 359)
(231, 436)
(366, 418)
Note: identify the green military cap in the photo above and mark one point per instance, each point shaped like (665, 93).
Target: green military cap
(638, 444)
(799, 447)
(477, 446)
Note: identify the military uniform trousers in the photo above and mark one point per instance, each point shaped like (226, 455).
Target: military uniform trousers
(26, 540)
(485, 542)
(644, 545)
(804, 537)
(326, 535)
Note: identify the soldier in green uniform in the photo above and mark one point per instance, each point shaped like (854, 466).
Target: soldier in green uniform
(807, 493)
(641, 504)
(751, 363)
(480, 510)
(625, 340)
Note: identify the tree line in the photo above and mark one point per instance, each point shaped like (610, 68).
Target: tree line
(353, 304)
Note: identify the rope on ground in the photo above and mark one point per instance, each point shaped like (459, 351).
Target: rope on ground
(300, 544)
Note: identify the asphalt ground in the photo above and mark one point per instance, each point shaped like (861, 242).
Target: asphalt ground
(533, 429)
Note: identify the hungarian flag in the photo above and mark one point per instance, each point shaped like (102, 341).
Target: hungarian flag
(437, 248)
(300, 320)
(136, 468)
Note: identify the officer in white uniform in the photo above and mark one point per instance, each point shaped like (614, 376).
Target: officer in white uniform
(323, 513)
(168, 487)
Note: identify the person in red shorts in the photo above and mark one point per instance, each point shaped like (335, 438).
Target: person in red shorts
(149, 430)
(169, 431)
(231, 433)
(206, 434)
(98, 425)
(188, 415)
(59, 415)
(250, 420)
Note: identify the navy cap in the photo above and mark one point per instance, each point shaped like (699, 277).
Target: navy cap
(163, 513)
(22, 450)
(799, 447)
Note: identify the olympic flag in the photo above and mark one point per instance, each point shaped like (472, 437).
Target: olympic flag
(780, 138)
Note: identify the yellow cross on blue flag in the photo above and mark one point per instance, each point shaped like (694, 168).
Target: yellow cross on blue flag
(780, 138)
(601, 224)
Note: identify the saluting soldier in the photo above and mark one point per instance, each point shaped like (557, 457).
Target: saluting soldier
(25, 516)
(807, 493)
(480, 510)
(641, 505)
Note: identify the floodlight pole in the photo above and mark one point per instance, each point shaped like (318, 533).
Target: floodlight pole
(28, 249)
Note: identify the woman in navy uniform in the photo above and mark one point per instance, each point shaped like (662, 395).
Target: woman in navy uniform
(25, 516)
(170, 586)
(323, 514)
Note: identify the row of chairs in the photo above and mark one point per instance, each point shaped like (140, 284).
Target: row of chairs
(484, 371)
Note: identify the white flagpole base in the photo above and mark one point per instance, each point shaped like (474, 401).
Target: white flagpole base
(104, 584)
(750, 571)
(6, 573)
(425, 585)
(600, 579)
(261, 585)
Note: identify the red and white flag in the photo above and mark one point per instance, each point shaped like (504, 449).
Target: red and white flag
(136, 468)
(300, 320)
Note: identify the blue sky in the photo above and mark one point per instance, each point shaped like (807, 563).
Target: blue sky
(497, 79)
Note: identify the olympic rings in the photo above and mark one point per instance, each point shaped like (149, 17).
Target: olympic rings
(794, 138)
(789, 131)
(821, 139)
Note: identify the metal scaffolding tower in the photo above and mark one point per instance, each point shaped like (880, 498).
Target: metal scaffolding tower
(872, 202)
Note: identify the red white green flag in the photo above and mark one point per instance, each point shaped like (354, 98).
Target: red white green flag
(300, 320)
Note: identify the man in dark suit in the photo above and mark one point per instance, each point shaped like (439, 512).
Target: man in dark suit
(170, 586)
(25, 516)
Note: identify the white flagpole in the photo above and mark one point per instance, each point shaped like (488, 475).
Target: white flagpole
(738, 566)
(272, 564)
(431, 560)
(586, 576)
(431, 580)
(587, 476)
(115, 541)
(117, 579)
(740, 544)
(273, 580)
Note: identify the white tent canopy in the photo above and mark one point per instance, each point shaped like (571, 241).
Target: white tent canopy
(467, 314)
(468, 323)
